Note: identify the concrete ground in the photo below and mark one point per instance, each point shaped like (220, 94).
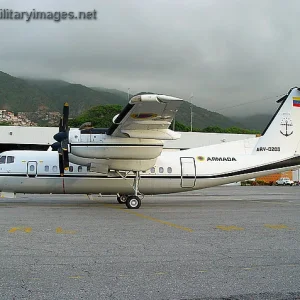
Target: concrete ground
(227, 242)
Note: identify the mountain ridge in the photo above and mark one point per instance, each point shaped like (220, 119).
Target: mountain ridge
(28, 94)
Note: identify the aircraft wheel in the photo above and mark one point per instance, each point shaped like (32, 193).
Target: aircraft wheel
(133, 202)
(122, 199)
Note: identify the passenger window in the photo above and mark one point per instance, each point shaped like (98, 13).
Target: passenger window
(161, 169)
(2, 159)
(10, 159)
(31, 168)
(80, 169)
(54, 168)
(47, 168)
(169, 170)
(71, 169)
(152, 170)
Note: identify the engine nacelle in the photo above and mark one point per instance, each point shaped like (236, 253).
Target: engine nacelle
(102, 146)
(105, 165)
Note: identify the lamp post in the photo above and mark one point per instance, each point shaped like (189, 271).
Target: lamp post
(191, 108)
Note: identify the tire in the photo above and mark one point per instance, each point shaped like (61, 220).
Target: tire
(133, 202)
(122, 199)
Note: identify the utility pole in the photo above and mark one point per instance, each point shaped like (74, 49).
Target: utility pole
(128, 94)
(191, 107)
(174, 123)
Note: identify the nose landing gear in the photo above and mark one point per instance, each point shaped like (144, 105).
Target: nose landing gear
(122, 198)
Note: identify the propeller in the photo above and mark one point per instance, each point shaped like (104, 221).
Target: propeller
(62, 140)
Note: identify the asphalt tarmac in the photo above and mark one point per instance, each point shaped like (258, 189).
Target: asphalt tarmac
(220, 243)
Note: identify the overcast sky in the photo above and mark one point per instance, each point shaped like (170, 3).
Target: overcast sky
(225, 52)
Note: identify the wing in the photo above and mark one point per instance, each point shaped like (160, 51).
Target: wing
(147, 116)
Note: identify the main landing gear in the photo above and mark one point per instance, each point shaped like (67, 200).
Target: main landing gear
(132, 201)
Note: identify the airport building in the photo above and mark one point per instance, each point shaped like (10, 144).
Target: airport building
(41, 138)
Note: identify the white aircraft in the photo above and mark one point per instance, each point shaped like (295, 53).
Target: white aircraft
(127, 159)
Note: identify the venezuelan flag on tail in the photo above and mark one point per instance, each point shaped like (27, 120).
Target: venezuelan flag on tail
(296, 101)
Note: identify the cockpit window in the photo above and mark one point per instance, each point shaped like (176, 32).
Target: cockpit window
(2, 159)
(10, 159)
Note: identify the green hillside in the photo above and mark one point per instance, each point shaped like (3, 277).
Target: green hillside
(29, 94)
(78, 96)
(257, 122)
(17, 95)
(121, 94)
(203, 118)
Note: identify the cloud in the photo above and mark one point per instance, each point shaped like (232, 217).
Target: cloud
(225, 52)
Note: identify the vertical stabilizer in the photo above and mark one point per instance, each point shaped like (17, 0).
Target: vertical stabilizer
(282, 135)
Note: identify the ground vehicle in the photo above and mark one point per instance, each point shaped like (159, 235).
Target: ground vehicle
(285, 181)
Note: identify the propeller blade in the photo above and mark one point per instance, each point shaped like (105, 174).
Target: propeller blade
(62, 140)
(64, 144)
(55, 146)
(66, 160)
(61, 162)
(65, 117)
(60, 126)
(60, 136)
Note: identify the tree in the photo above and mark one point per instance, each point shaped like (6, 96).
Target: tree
(100, 116)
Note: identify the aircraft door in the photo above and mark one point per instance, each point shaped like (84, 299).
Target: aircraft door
(188, 172)
(31, 168)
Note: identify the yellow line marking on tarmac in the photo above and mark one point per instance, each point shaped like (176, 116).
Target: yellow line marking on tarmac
(151, 218)
(229, 228)
(276, 226)
(23, 229)
(160, 273)
(202, 271)
(75, 277)
(59, 230)
(160, 221)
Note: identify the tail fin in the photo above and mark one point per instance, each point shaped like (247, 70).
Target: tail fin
(283, 132)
